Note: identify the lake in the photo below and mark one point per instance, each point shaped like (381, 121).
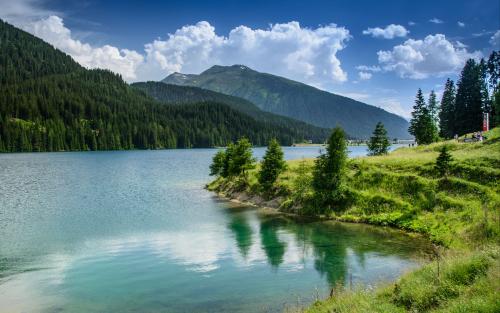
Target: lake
(134, 231)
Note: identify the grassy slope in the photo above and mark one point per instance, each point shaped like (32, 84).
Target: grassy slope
(402, 189)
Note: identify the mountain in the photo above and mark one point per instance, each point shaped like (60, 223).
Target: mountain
(293, 99)
(175, 94)
(48, 102)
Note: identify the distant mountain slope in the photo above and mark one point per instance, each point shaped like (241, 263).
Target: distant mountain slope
(48, 102)
(293, 99)
(175, 94)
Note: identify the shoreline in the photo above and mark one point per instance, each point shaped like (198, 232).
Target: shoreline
(403, 191)
(244, 200)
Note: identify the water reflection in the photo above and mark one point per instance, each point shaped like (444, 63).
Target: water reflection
(242, 232)
(255, 259)
(271, 243)
(336, 249)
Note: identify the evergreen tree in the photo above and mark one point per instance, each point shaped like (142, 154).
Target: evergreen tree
(416, 114)
(379, 143)
(485, 96)
(469, 99)
(495, 103)
(493, 66)
(217, 163)
(447, 111)
(241, 159)
(329, 170)
(443, 162)
(422, 125)
(226, 164)
(493, 71)
(272, 165)
(433, 107)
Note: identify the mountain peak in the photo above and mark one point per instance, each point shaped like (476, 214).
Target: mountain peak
(177, 78)
(226, 68)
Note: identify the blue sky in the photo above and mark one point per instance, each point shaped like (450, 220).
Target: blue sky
(378, 52)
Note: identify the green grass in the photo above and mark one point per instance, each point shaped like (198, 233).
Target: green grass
(403, 190)
(460, 213)
(465, 282)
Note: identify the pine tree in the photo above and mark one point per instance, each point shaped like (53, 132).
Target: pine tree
(430, 119)
(329, 170)
(493, 70)
(228, 154)
(217, 163)
(493, 66)
(272, 165)
(422, 125)
(241, 159)
(416, 114)
(443, 161)
(485, 96)
(433, 107)
(447, 111)
(495, 104)
(379, 143)
(469, 99)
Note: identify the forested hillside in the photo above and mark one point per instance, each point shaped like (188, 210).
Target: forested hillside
(296, 100)
(175, 94)
(50, 103)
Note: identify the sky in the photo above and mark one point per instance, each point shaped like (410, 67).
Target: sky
(377, 52)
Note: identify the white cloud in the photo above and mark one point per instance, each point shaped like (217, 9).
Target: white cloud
(436, 21)
(359, 96)
(411, 23)
(21, 12)
(389, 32)
(53, 31)
(287, 49)
(482, 33)
(364, 75)
(495, 40)
(419, 59)
(460, 44)
(371, 68)
(461, 24)
(394, 106)
(304, 54)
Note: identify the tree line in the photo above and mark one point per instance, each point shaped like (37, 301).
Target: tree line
(327, 178)
(181, 95)
(329, 171)
(462, 105)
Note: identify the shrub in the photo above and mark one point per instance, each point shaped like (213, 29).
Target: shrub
(443, 162)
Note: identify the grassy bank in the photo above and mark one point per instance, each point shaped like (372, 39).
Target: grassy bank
(459, 212)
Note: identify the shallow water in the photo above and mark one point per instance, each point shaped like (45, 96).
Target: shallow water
(134, 231)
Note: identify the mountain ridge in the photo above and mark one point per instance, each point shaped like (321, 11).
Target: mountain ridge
(182, 95)
(294, 99)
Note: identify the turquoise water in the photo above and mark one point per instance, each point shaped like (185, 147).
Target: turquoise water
(134, 231)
